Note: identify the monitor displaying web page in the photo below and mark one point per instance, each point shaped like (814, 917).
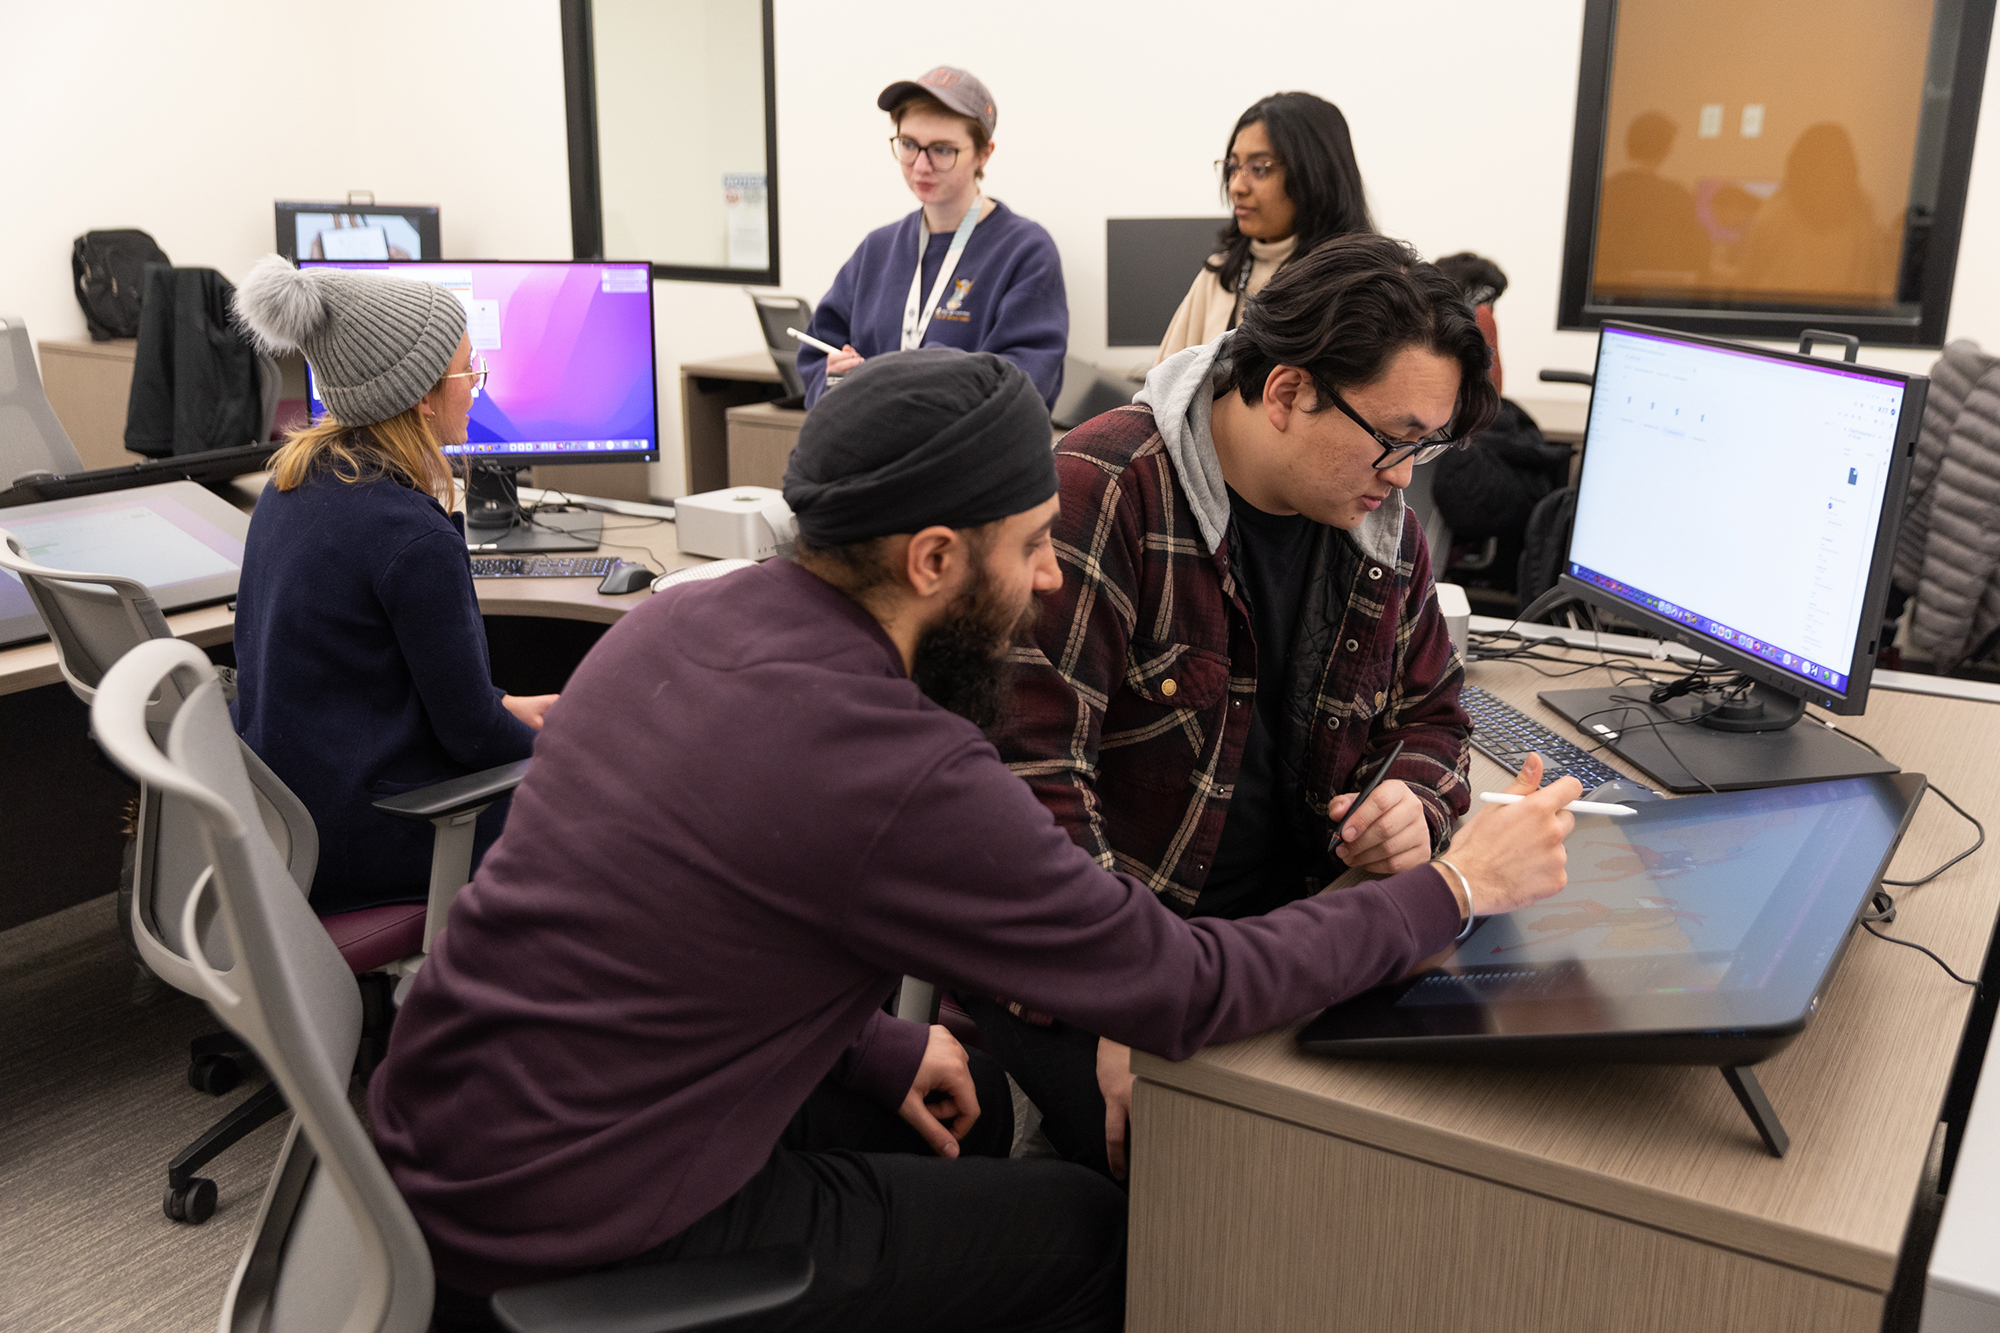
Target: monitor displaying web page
(1739, 495)
(568, 349)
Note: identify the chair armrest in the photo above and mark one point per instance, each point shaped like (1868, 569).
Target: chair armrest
(660, 1298)
(456, 795)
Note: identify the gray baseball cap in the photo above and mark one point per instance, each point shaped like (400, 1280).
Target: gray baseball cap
(956, 88)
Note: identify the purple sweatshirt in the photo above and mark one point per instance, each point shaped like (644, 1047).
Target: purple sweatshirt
(1006, 297)
(744, 823)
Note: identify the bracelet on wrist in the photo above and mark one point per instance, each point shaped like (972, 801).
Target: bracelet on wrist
(1471, 911)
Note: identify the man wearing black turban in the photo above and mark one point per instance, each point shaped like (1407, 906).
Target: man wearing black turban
(655, 1028)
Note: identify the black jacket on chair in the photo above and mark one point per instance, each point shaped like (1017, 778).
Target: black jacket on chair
(197, 383)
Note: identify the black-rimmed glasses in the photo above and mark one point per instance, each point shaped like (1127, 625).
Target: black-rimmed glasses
(943, 155)
(1395, 451)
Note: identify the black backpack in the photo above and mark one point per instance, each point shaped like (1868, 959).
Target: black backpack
(1545, 544)
(110, 272)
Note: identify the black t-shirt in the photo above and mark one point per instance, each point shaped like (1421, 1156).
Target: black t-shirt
(1260, 864)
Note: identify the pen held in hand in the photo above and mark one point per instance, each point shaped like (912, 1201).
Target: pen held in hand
(1381, 771)
(811, 341)
(1574, 807)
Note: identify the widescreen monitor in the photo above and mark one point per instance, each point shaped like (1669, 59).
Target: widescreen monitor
(1744, 502)
(568, 349)
(358, 231)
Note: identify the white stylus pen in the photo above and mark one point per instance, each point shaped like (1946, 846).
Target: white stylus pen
(811, 341)
(1576, 807)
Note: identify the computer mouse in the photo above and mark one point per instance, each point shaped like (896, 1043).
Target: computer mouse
(1621, 791)
(625, 577)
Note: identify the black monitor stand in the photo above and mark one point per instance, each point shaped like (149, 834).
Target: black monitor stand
(495, 521)
(1751, 743)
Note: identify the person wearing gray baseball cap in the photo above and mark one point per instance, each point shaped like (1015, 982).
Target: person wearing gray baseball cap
(361, 658)
(962, 271)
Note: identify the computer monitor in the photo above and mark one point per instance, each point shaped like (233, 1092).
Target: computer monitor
(1743, 502)
(568, 347)
(1149, 264)
(357, 231)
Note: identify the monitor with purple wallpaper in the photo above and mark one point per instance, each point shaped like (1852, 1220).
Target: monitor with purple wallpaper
(568, 351)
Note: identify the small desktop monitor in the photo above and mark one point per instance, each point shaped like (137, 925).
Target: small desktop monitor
(568, 348)
(1149, 264)
(358, 231)
(1744, 502)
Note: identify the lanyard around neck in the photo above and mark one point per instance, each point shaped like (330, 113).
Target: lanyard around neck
(917, 320)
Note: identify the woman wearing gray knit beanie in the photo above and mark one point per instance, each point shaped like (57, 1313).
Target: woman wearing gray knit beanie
(361, 658)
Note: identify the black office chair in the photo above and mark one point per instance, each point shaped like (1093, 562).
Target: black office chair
(335, 1248)
(96, 619)
(776, 314)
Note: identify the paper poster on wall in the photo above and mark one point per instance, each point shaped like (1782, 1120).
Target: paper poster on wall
(747, 219)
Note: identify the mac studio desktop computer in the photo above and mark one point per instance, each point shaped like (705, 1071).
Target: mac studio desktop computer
(568, 348)
(1744, 503)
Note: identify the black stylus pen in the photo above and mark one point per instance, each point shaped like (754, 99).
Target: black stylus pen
(1381, 771)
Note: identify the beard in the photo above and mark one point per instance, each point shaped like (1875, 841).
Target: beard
(961, 661)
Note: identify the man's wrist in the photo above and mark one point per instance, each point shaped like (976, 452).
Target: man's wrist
(1455, 880)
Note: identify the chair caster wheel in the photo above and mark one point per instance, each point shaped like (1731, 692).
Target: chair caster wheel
(193, 1205)
(213, 1074)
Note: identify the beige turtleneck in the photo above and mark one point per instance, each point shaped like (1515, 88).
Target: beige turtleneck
(1205, 310)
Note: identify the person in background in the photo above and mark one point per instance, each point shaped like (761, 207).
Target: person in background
(361, 659)
(962, 271)
(1291, 181)
(1488, 490)
(1247, 631)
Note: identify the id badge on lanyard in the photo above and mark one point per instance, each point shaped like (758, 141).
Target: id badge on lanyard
(917, 319)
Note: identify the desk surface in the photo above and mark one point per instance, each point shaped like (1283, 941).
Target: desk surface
(1860, 1091)
(31, 665)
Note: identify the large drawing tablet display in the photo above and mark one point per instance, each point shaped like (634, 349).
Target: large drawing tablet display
(1698, 931)
(184, 543)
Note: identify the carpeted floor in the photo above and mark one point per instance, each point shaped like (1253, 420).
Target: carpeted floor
(93, 1102)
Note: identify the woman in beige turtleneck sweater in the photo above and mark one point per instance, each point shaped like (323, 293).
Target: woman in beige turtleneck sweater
(1291, 182)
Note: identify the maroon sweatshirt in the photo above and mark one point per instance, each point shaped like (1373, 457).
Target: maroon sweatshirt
(744, 823)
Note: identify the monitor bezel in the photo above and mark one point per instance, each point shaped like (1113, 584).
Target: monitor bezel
(1854, 699)
(424, 215)
(1577, 307)
(545, 460)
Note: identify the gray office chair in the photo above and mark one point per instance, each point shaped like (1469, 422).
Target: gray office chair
(1419, 496)
(334, 1247)
(32, 441)
(94, 620)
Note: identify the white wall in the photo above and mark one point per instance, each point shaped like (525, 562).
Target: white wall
(1462, 114)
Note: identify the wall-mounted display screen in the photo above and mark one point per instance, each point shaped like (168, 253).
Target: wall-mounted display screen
(358, 231)
(1755, 167)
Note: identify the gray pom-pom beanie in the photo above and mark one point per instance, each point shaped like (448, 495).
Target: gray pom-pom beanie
(377, 343)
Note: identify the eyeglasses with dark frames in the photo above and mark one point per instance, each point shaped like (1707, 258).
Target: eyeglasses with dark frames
(943, 155)
(1395, 451)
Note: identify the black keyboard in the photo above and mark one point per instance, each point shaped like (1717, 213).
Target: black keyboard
(542, 566)
(1506, 735)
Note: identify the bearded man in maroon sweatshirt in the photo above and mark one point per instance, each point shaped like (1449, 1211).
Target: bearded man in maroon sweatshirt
(654, 1027)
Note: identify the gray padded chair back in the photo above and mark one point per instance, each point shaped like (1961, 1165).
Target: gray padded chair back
(1437, 533)
(94, 620)
(335, 1249)
(31, 439)
(775, 314)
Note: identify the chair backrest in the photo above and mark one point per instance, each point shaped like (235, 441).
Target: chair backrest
(94, 620)
(335, 1249)
(776, 314)
(1420, 496)
(31, 439)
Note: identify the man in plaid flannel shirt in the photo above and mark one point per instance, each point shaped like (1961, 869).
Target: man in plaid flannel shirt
(1250, 496)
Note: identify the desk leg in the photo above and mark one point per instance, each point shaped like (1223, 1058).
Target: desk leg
(1743, 1082)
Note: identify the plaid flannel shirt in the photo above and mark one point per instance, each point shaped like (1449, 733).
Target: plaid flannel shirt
(1128, 714)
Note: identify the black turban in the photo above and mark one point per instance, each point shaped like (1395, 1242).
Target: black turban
(913, 439)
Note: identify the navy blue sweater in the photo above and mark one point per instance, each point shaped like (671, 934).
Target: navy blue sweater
(1006, 297)
(363, 673)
